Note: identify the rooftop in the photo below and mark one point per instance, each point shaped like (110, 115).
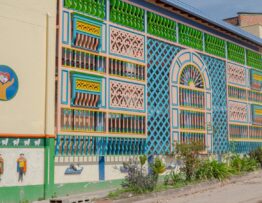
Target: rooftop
(219, 23)
(248, 13)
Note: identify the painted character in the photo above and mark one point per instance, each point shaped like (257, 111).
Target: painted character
(1, 166)
(21, 167)
(5, 82)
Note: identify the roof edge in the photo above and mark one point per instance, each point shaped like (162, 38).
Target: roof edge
(219, 23)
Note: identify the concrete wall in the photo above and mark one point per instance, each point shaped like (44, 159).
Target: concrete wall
(254, 29)
(35, 167)
(113, 165)
(28, 34)
(28, 47)
(89, 173)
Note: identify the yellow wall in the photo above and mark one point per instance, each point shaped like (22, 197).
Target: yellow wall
(28, 47)
(254, 29)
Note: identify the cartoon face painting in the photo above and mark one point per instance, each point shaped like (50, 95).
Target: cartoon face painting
(8, 83)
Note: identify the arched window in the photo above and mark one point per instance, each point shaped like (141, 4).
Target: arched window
(192, 105)
(190, 100)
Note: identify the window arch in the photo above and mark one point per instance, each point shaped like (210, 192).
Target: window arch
(191, 76)
(190, 105)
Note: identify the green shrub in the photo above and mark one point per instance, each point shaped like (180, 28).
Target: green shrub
(173, 178)
(142, 160)
(243, 164)
(210, 169)
(189, 154)
(138, 180)
(249, 164)
(236, 162)
(158, 167)
(257, 155)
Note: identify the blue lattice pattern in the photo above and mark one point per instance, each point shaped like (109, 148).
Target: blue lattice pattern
(94, 145)
(244, 147)
(217, 73)
(160, 56)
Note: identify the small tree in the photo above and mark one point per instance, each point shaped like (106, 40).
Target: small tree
(158, 167)
(189, 154)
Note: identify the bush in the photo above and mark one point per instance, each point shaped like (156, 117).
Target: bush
(210, 169)
(236, 162)
(189, 154)
(249, 164)
(173, 178)
(158, 167)
(138, 180)
(257, 155)
(243, 164)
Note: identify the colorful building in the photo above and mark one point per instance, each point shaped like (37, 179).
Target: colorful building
(88, 84)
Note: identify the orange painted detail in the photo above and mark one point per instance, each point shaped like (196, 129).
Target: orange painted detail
(88, 28)
(27, 135)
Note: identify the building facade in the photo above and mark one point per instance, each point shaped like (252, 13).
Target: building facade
(89, 84)
(250, 22)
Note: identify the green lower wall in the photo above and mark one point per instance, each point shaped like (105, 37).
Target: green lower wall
(36, 192)
(49, 167)
(74, 188)
(49, 189)
(21, 194)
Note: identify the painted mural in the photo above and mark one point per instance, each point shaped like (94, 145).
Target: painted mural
(21, 167)
(74, 170)
(8, 83)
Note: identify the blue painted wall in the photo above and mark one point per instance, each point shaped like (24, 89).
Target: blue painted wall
(217, 73)
(160, 56)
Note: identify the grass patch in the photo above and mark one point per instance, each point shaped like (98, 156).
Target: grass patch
(117, 193)
(126, 193)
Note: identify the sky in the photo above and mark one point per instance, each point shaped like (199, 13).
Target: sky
(221, 9)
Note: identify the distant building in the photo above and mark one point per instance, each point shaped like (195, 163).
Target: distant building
(250, 22)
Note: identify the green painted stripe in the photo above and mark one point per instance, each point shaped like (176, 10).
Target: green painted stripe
(75, 188)
(21, 142)
(49, 167)
(37, 192)
(21, 194)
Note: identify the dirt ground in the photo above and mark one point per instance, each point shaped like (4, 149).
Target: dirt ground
(248, 190)
(239, 189)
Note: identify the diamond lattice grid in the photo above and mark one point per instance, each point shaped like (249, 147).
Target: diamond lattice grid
(217, 74)
(160, 57)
